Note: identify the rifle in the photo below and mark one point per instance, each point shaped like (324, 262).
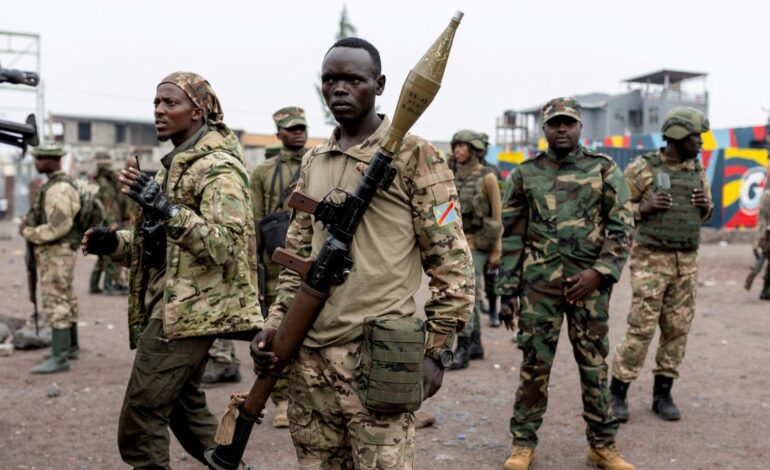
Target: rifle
(29, 259)
(759, 257)
(262, 284)
(333, 263)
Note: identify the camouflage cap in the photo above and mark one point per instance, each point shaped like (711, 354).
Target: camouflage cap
(103, 160)
(47, 151)
(683, 121)
(470, 137)
(289, 116)
(562, 107)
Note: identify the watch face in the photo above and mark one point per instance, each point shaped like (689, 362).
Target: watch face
(446, 358)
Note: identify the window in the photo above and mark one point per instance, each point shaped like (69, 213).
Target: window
(84, 131)
(653, 116)
(120, 133)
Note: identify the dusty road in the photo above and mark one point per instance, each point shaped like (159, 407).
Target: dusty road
(723, 393)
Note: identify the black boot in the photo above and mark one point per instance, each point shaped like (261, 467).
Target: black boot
(662, 403)
(461, 354)
(618, 392)
(494, 316)
(93, 286)
(475, 349)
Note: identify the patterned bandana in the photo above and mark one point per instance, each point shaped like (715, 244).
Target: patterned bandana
(202, 95)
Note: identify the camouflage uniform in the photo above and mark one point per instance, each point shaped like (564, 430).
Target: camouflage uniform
(109, 196)
(402, 232)
(762, 226)
(577, 217)
(206, 287)
(663, 284)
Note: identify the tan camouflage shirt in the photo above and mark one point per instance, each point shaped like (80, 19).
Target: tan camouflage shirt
(399, 237)
(62, 204)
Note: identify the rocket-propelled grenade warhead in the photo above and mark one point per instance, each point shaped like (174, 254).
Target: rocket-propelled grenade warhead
(421, 86)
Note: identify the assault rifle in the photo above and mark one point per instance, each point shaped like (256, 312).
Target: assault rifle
(333, 263)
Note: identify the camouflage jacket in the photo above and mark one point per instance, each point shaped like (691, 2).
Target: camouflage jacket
(60, 205)
(109, 197)
(412, 227)
(561, 217)
(210, 285)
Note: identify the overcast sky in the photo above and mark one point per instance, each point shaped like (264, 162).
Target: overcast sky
(106, 57)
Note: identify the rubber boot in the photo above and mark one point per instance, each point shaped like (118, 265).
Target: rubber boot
(461, 353)
(217, 373)
(60, 347)
(73, 351)
(93, 285)
(618, 393)
(494, 316)
(476, 350)
(607, 458)
(662, 403)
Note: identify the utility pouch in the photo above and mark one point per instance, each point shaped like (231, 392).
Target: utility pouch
(389, 370)
(486, 237)
(272, 231)
(154, 244)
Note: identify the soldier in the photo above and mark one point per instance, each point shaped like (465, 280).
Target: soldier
(271, 184)
(401, 234)
(569, 207)
(671, 197)
(763, 244)
(51, 226)
(109, 197)
(480, 203)
(191, 260)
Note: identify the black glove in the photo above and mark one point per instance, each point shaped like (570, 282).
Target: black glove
(146, 191)
(102, 241)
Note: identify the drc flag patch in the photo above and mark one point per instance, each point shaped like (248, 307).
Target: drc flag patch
(445, 213)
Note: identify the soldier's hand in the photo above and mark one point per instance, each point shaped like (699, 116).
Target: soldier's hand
(582, 285)
(99, 241)
(432, 377)
(509, 310)
(699, 199)
(493, 263)
(264, 359)
(657, 202)
(147, 192)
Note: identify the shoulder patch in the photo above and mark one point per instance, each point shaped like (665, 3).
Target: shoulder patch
(445, 213)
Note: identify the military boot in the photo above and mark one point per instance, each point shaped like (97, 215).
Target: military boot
(461, 353)
(494, 316)
(60, 347)
(521, 458)
(218, 373)
(74, 349)
(618, 392)
(607, 458)
(476, 350)
(281, 418)
(108, 287)
(93, 285)
(662, 403)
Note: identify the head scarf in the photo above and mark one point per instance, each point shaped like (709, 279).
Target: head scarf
(199, 90)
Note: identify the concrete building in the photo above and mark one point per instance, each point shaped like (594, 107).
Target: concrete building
(638, 110)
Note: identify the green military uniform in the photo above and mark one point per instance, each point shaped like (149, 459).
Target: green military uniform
(410, 229)
(52, 229)
(481, 230)
(112, 213)
(205, 287)
(664, 260)
(577, 217)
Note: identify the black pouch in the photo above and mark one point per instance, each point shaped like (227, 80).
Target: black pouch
(389, 371)
(272, 231)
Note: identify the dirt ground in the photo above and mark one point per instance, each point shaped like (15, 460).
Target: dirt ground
(723, 393)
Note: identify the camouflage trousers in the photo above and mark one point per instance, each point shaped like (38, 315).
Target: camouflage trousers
(222, 351)
(539, 326)
(56, 270)
(330, 427)
(105, 263)
(479, 269)
(663, 295)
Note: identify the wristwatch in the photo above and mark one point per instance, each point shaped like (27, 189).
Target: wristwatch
(444, 357)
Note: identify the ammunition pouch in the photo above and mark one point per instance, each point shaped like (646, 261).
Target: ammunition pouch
(272, 231)
(486, 237)
(153, 244)
(389, 370)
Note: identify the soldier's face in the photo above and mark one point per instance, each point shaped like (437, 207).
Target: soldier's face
(350, 83)
(294, 137)
(176, 117)
(690, 146)
(461, 152)
(47, 165)
(562, 133)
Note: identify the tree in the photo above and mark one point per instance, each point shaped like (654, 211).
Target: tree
(345, 29)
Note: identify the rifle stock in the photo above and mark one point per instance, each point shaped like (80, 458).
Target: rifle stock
(31, 263)
(289, 260)
(303, 202)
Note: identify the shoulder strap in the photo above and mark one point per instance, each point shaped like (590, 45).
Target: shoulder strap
(276, 172)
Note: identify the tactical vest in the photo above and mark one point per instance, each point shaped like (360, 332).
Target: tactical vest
(473, 202)
(677, 228)
(38, 217)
